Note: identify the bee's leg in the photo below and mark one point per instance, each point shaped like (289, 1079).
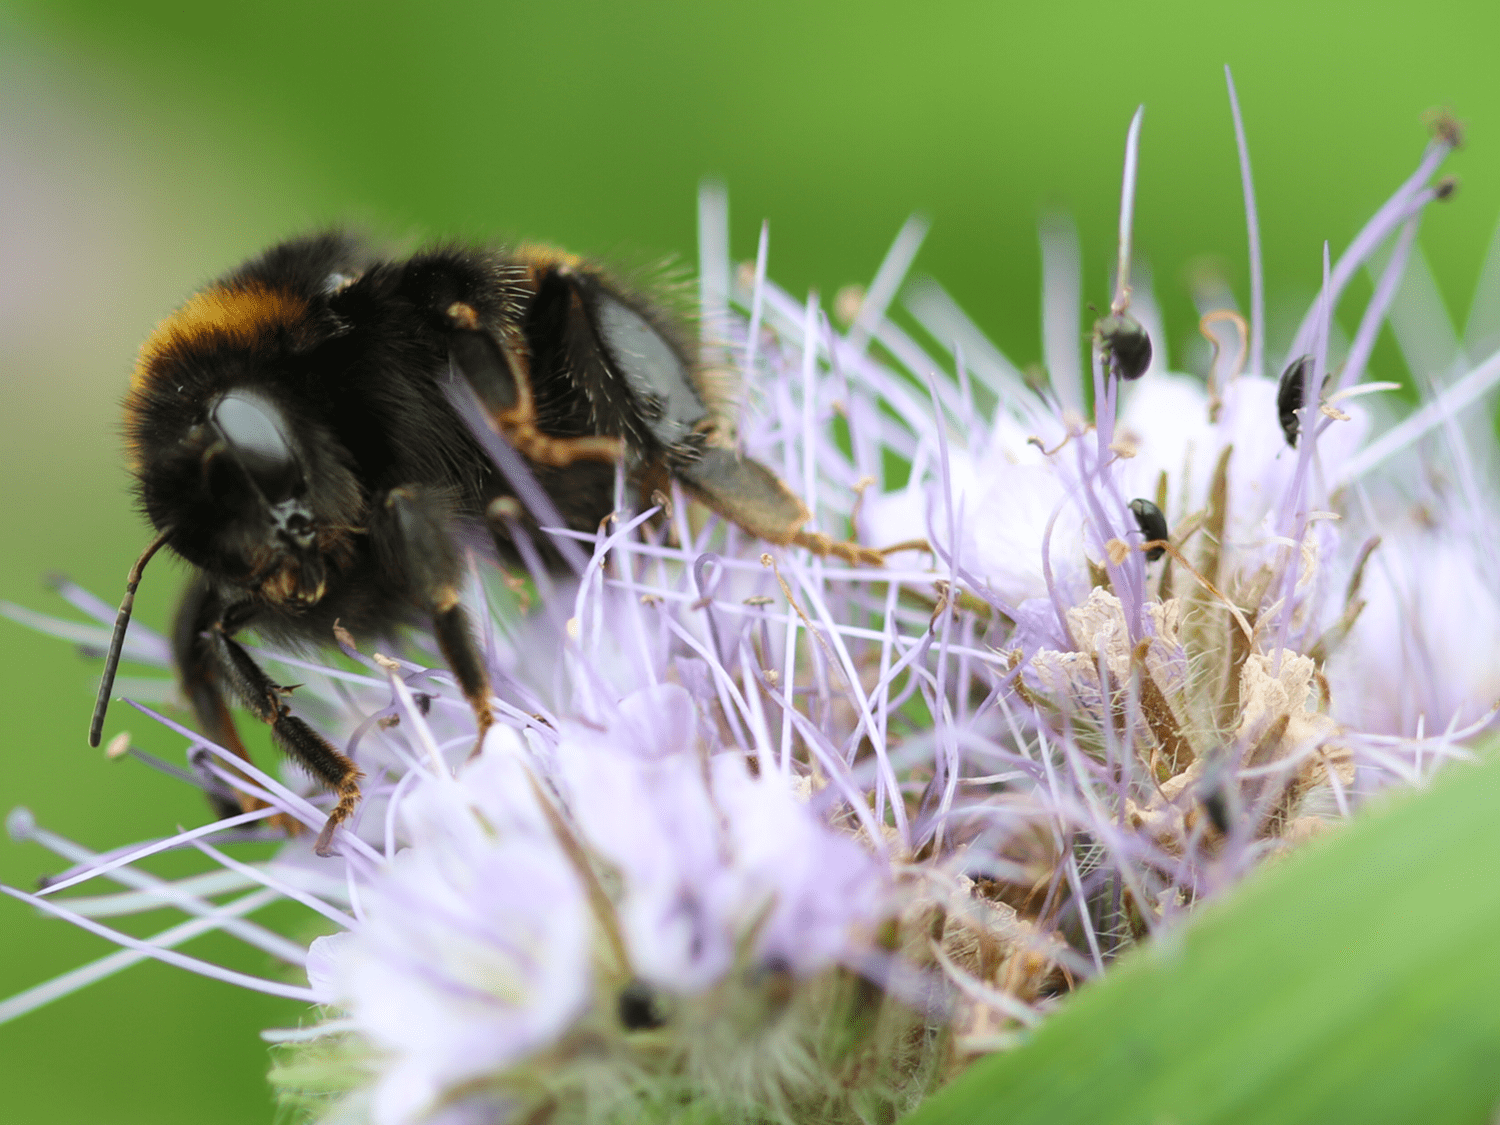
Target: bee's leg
(421, 542)
(631, 368)
(266, 700)
(591, 359)
(599, 361)
(748, 493)
(858, 554)
(196, 666)
(497, 365)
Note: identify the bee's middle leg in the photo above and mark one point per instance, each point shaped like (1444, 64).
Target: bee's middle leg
(419, 542)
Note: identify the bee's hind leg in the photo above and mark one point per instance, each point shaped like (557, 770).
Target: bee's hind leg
(497, 366)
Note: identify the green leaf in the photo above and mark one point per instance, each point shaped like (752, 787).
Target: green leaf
(1357, 980)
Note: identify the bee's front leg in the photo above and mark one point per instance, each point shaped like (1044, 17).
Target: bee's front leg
(201, 679)
(266, 700)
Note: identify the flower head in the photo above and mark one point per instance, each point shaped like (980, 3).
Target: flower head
(786, 838)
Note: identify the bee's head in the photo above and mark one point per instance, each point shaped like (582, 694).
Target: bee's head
(230, 459)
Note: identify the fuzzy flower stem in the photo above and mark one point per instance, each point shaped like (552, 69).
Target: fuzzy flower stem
(1106, 827)
(219, 918)
(1121, 300)
(281, 886)
(706, 584)
(1295, 507)
(160, 953)
(969, 418)
(1062, 293)
(1122, 577)
(1070, 866)
(1386, 220)
(788, 671)
(809, 395)
(1374, 315)
(1252, 228)
(887, 281)
(713, 269)
(1054, 592)
(162, 891)
(750, 682)
(134, 855)
(947, 755)
(757, 304)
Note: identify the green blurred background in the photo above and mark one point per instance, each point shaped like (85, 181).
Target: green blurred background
(144, 148)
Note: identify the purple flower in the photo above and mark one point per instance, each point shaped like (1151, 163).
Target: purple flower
(757, 829)
(710, 856)
(473, 947)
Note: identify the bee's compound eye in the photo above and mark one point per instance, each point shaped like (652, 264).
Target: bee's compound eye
(657, 375)
(257, 434)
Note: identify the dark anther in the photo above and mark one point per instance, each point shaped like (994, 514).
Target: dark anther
(1289, 396)
(1153, 525)
(639, 1008)
(1125, 345)
(1446, 128)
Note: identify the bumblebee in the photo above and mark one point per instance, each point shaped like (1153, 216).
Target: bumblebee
(294, 436)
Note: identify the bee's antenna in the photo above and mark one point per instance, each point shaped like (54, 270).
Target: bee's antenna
(117, 642)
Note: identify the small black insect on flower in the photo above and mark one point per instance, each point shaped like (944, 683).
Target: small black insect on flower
(1124, 344)
(1153, 525)
(640, 1007)
(1291, 395)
